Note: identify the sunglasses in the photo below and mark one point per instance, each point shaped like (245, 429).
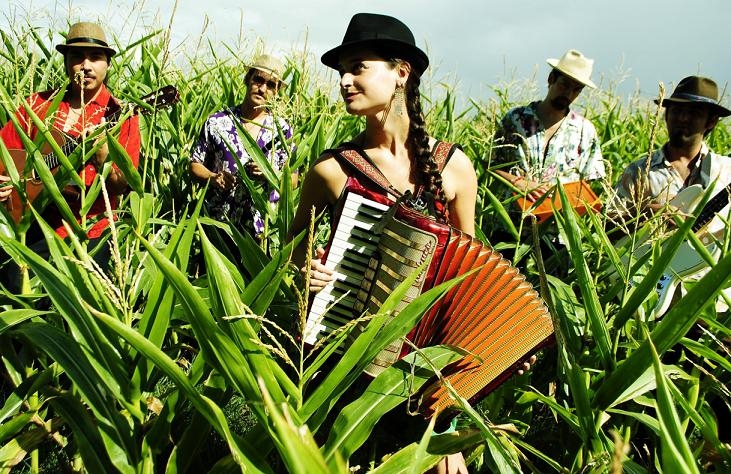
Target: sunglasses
(258, 80)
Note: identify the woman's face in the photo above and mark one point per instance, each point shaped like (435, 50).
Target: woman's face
(367, 82)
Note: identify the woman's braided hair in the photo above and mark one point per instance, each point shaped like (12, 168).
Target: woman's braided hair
(424, 167)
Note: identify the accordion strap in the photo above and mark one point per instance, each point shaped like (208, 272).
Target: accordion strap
(356, 158)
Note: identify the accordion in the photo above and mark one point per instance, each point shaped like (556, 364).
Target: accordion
(493, 314)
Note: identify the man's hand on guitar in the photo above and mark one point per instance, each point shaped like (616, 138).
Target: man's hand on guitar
(103, 151)
(5, 188)
(320, 276)
(532, 189)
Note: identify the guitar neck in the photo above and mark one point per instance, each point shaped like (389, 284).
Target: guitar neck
(712, 207)
(163, 97)
(70, 144)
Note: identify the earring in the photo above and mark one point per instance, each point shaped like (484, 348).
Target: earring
(399, 99)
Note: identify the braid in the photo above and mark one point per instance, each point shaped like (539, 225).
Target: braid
(425, 168)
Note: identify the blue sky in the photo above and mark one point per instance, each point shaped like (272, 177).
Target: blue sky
(476, 44)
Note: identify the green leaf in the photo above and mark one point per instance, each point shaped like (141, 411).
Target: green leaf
(671, 328)
(245, 456)
(97, 389)
(387, 391)
(567, 221)
(676, 455)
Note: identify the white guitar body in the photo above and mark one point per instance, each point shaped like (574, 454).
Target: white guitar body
(687, 263)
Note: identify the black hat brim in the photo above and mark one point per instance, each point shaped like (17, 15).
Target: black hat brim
(718, 109)
(399, 49)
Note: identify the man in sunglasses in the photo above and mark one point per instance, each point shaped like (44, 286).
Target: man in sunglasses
(220, 148)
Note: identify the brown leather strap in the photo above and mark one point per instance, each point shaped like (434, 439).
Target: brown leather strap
(442, 152)
(364, 165)
(353, 156)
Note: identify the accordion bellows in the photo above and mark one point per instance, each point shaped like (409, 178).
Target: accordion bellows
(494, 315)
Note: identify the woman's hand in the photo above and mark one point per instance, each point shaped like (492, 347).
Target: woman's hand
(319, 276)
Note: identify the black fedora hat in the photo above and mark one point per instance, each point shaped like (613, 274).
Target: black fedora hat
(383, 33)
(697, 90)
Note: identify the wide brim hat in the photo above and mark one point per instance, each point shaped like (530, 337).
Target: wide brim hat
(576, 66)
(271, 65)
(697, 90)
(382, 33)
(85, 35)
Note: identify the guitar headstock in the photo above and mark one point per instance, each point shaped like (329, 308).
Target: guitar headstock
(161, 98)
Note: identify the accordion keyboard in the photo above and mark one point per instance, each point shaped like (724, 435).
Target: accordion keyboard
(353, 242)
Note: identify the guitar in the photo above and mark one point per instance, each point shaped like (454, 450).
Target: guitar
(17, 204)
(687, 262)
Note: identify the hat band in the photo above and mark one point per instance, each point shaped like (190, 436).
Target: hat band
(694, 98)
(86, 40)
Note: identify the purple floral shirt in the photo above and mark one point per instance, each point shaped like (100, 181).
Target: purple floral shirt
(213, 148)
(572, 154)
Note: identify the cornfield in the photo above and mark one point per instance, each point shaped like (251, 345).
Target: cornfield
(185, 356)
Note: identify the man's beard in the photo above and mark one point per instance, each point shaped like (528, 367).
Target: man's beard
(560, 103)
(679, 139)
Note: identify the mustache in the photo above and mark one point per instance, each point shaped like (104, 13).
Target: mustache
(560, 103)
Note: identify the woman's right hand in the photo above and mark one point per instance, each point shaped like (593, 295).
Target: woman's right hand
(319, 276)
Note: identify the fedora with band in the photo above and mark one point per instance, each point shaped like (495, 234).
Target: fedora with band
(576, 66)
(697, 90)
(383, 33)
(85, 35)
(271, 65)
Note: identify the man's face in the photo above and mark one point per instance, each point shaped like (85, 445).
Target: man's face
(687, 123)
(262, 86)
(86, 68)
(562, 91)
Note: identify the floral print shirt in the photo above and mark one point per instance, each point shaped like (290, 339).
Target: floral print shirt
(572, 154)
(220, 135)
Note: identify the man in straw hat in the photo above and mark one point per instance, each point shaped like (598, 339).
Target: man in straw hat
(85, 104)
(216, 154)
(545, 141)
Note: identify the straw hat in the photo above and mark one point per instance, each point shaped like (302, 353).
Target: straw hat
(697, 90)
(383, 33)
(271, 65)
(85, 35)
(576, 66)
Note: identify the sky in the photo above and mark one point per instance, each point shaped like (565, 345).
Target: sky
(473, 44)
